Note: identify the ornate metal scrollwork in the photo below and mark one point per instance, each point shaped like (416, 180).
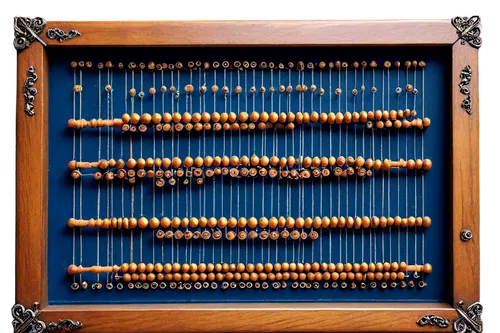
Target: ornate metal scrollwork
(468, 30)
(27, 30)
(466, 77)
(433, 321)
(26, 320)
(64, 325)
(61, 35)
(30, 92)
(466, 235)
(468, 321)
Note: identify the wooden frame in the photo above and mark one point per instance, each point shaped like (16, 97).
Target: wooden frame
(32, 179)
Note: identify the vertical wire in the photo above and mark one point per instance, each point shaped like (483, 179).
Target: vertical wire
(363, 152)
(338, 180)
(347, 178)
(331, 154)
(415, 154)
(74, 180)
(111, 184)
(406, 169)
(383, 171)
(121, 157)
(355, 176)
(132, 188)
(98, 182)
(423, 181)
(162, 156)
(154, 166)
(389, 157)
(398, 88)
(81, 183)
(172, 154)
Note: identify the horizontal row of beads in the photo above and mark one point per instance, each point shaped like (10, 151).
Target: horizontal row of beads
(300, 65)
(252, 222)
(255, 161)
(253, 268)
(198, 175)
(396, 118)
(189, 88)
(245, 285)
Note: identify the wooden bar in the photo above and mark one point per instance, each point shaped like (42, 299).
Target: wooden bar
(465, 194)
(256, 33)
(32, 182)
(292, 317)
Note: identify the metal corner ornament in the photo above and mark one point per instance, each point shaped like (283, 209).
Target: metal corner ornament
(468, 321)
(27, 30)
(30, 91)
(26, 321)
(468, 30)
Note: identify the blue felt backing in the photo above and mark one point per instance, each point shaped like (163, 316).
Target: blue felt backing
(396, 193)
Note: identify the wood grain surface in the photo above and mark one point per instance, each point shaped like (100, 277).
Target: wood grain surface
(257, 33)
(31, 182)
(465, 183)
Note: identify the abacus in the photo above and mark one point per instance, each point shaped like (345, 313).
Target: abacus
(206, 176)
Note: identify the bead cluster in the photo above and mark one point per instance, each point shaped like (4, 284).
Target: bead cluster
(297, 273)
(242, 65)
(228, 226)
(167, 122)
(199, 167)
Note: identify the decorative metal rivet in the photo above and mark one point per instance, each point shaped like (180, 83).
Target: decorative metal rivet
(466, 235)
(26, 31)
(433, 321)
(61, 35)
(30, 91)
(64, 325)
(466, 77)
(468, 321)
(468, 30)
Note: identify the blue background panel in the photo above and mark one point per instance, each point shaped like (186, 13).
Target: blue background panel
(398, 192)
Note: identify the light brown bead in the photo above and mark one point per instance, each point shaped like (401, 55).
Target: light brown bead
(426, 222)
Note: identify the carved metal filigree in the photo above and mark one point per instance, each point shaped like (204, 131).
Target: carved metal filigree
(468, 321)
(433, 321)
(26, 31)
(466, 77)
(64, 325)
(61, 35)
(468, 30)
(26, 320)
(466, 235)
(30, 92)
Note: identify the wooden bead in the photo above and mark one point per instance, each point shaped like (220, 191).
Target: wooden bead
(426, 122)
(427, 164)
(426, 222)
(141, 267)
(165, 222)
(154, 223)
(403, 266)
(142, 222)
(427, 269)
